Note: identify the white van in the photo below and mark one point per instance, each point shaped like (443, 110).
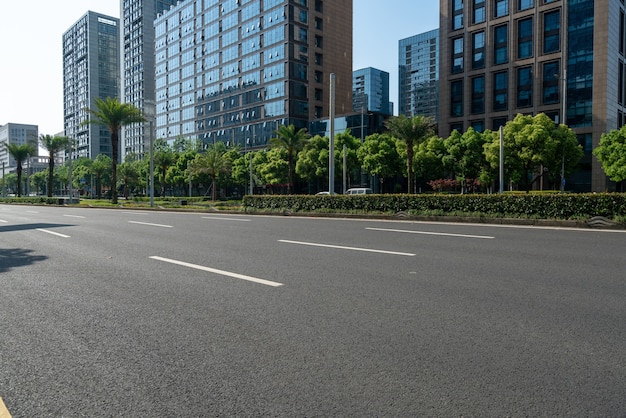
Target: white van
(359, 190)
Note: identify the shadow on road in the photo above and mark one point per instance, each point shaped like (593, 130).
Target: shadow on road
(17, 257)
(24, 227)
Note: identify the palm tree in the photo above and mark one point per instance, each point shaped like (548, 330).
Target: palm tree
(293, 141)
(113, 114)
(20, 153)
(214, 162)
(412, 131)
(53, 144)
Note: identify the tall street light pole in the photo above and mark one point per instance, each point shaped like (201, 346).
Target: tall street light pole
(150, 112)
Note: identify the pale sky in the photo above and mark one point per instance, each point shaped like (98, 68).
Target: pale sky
(31, 79)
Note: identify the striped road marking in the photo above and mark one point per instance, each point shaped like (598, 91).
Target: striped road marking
(443, 234)
(220, 272)
(341, 247)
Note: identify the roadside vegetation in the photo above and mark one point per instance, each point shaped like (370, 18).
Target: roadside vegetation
(412, 170)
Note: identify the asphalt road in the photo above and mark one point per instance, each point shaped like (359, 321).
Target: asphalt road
(144, 314)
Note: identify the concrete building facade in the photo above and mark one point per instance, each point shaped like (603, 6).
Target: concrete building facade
(234, 70)
(91, 69)
(418, 75)
(19, 134)
(560, 57)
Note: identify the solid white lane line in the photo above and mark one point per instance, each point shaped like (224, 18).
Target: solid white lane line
(3, 221)
(32, 211)
(149, 224)
(341, 247)
(53, 233)
(406, 231)
(216, 271)
(74, 216)
(219, 218)
(134, 212)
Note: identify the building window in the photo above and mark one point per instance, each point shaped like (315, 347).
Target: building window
(500, 8)
(319, 59)
(479, 11)
(457, 55)
(457, 14)
(551, 32)
(478, 95)
(524, 4)
(478, 50)
(478, 125)
(501, 45)
(524, 87)
(525, 38)
(551, 77)
(457, 127)
(500, 91)
(319, 41)
(620, 83)
(319, 6)
(496, 123)
(456, 96)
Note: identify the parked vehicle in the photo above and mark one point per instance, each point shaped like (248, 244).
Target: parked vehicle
(359, 190)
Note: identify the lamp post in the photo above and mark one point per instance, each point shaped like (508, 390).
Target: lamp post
(150, 112)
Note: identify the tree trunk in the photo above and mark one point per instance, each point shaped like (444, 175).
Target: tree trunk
(114, 154)
(50, 174)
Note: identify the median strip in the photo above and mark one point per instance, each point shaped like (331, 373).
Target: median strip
(341, 247)
(217, 271)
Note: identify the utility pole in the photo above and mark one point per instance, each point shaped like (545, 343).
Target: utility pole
(331, 153)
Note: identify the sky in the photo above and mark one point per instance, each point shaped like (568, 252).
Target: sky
(31, 71)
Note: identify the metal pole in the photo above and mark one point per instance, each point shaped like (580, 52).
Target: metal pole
(69, 175)
(564, 100)
(501, 160)
(331, 153)
(344, 169)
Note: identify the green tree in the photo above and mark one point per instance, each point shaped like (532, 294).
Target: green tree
(465, 156)
(429, 159)
(113, 114)
(53, 144)
(272, 166)
(213, 162)
(99, 167)
(164, 157)
(128, 174)
(20, 153)
(532, 143)
(352, 160)
(379, 156)
(292, 141)
(312, 161)
(411, 131)
(611, 152)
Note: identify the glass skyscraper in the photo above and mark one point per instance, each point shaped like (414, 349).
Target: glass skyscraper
(90, 70)
(370, 91)
(418, 75)
(137, 52)
(233, 71)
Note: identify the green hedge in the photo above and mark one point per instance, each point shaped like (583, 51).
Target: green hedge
(539, 206)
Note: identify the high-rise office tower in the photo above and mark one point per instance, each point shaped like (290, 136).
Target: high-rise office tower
(370, 91)
(137, 35)
(233, 71)
(504, 57)
(90, 70)
(18, 134)
(418, 75)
